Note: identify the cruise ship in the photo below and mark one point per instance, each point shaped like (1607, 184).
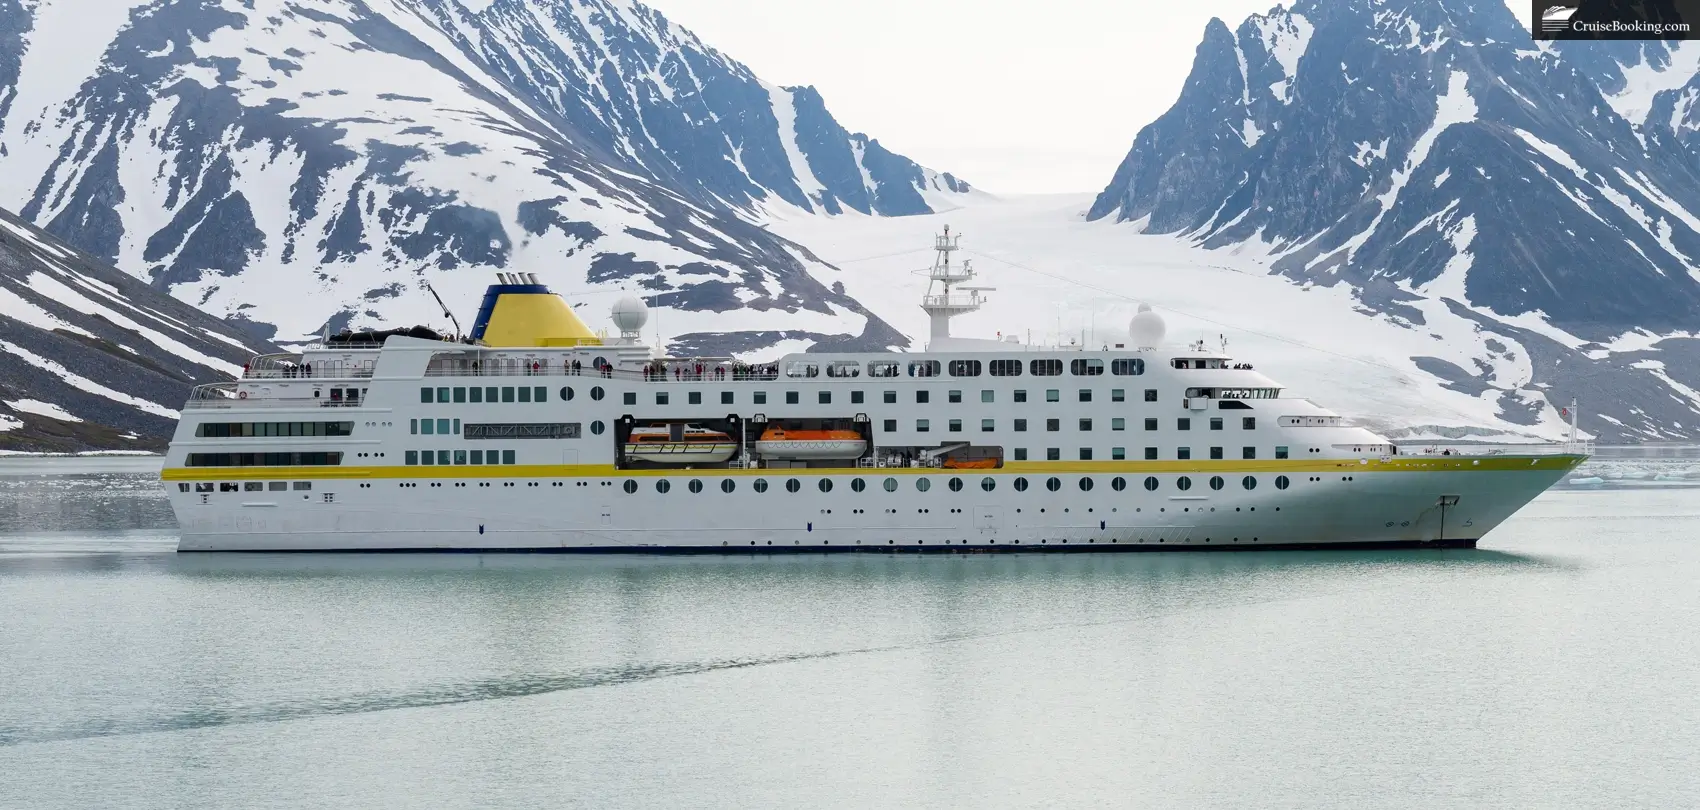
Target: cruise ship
(534, 433)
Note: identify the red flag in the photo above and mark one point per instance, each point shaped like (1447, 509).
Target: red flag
(1564, 411)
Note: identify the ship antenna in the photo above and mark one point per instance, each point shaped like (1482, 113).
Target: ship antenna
(451, 315)
(940, 303)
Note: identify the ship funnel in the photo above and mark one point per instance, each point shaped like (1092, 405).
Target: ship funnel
(518, 311)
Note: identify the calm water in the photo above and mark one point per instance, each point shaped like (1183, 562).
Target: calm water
(1555, 668)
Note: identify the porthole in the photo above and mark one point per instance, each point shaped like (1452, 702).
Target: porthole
(566, 393)
(826, 485)
(1118, 483)
(695, 486)
(1020, 485)
(1053, 484)
(955, 484)
(923, 484)
(1183, 483)
(630, 486)
(760, 485)
(988, 484)
(596, 392)
(1249, 482)
(662, 485)
(1085, 485)
(1216, 482)
(857, 485)
(1281, 482)
(597, 427)
(1150, 483)
(793, 485)
(891, 485)
(727, 485)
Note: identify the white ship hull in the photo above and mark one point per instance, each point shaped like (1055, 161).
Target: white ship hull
(1384, 506)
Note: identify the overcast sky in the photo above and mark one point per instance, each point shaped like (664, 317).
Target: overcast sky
(1012, 97)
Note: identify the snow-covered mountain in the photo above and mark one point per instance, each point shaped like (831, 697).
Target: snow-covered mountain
(298, 163)
(92, 358)
(1535, 203)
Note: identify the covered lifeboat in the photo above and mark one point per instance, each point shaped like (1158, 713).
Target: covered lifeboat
(679, 444)
(803, 445)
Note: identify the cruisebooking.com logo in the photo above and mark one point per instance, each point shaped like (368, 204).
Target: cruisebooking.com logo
(1555, 19)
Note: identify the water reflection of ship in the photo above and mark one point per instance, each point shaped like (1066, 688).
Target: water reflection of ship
(679, 443)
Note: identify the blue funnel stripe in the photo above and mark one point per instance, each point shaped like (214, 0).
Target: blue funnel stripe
(488, 306)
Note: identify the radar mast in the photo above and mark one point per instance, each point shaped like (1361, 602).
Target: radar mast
(940, 302)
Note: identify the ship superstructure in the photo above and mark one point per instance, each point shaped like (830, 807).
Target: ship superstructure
(534, 433)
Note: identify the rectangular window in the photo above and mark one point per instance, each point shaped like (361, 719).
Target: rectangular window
(1248, 452)
(1085, 454)
(792, 398)
(1118, 454)
(921, 426)
(1085, 395)
(1045, 368)
(457, 427)
(443, 457)
(1118, 423)
(507, 393)
(1053, 395)
(428, 426)
(1086, 368)
(412, 458)
(890, 426)
(428, 457)
(425, 395)
(1183, 423)
(489, 393)
(1281, 451)
(303, 486)
(629, 398)
(442, 427)
(1150, 454)
(525, 394)
(1085, 424)
(460, 393)
(1006, 368)
(491, 458)
(889, 397)
(443, 394)
(539, 394)
(478, 457)
(1021, 426)
(1150, 395)
(413, 426)
(1020, 452)
(758, 397)
(1183, 453)
(921, 396)
(475, 394)
(956, 426)
(460, 457)
(964, 368)
(1216, 453)
(987, 396)
(1019, 395)
(1248, 423)
(1118, 395)
(855, 397)
(954, 397)
(661, 397)
(726, 397)
(693, 398)
(508, 457)
(1215, 423)
(279, 486)
(987, 426)
(1151, 423)
(826, 397)
(1053, 425)
(1053, 453)
(1127, 367)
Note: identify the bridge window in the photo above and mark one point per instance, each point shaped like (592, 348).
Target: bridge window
(1006, 368)
(312, 459)
(224, 430)
(1045, 368)
(964, 368)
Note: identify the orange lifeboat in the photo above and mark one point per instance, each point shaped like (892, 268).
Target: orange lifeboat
(970, 463)
(787, 444)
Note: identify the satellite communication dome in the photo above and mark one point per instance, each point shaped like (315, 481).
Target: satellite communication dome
(630, 314)
(1147, 328)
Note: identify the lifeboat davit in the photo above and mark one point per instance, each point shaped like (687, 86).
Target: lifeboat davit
(679, 444)
(801, 445)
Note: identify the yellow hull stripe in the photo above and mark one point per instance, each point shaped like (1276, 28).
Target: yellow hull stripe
(1194, 467)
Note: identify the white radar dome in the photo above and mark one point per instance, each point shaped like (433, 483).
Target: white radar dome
(1147, 328)
(630, 314)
